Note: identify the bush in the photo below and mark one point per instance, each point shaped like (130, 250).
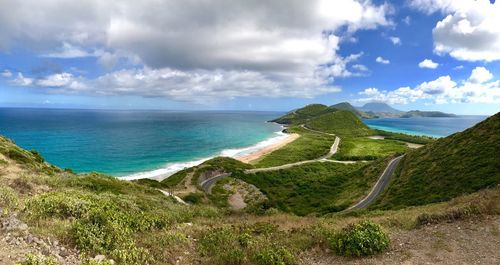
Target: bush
(38, 260)
(361, 239)
(274, 255)
(194, 198)
(8, 198)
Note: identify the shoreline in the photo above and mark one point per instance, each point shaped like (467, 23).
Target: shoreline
(245, 155)
(267, 150)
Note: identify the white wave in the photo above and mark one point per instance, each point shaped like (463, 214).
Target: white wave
(171, 168)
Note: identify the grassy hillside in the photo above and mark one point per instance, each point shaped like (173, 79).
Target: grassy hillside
(363, 148)
(339, 122)
(309, 145)
(459, 164)
(301, 115)
(57, 217)
(317, 187)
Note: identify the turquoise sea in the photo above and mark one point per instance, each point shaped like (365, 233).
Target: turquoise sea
(158, 143)
(121, 143)
(435, 127)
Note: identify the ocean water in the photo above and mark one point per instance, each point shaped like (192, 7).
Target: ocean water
(435, 127)
(148, 143)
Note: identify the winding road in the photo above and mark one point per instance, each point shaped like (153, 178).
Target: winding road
(379, 186)
(382, 182)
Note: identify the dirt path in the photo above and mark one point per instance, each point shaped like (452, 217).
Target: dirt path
(475, 241)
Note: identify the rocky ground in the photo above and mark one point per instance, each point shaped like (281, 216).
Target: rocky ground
(464, 242)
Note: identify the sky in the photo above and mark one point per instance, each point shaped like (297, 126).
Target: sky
(250, 55)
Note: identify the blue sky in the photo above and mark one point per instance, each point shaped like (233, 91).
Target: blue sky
(251, 55)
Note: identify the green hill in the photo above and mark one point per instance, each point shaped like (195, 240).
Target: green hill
(459, 164)
(340, 122)
(301, 115)
(349, 107)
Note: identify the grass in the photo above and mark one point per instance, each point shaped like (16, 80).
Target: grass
(363, 148)
(416, 139)
(308, 146)
(302, 115)
(449, 167)
(342, 123)
(316, 188)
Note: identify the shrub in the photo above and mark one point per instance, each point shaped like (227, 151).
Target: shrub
(274, 255)
(448, 216)
(8, 198)
(194, 198)
(361, 239)
(38, 260)
(19, 156)
(224, 245)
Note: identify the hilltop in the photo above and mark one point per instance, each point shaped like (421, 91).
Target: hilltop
(340, 122)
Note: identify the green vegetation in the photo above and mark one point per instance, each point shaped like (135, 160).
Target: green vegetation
(319, 187)
(310, 145)
(194, 198)
(39, 260)
(134, 223)
(405, 137)
(363, 148)
(449, 167)
(343, 123)
(361, 239)
(301, 115)
(30, 159)
(260, 243)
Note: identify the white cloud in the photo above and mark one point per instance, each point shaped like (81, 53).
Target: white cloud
(20, 80)
(469, 31)
(428, 63)
(458, 67)
(480, 75)
(395, 40)
(442, 90)
(407, 20)
(199, 86)
(382, 60)
(68, 51)
(271, 40)
(360, 67)
(6, 73)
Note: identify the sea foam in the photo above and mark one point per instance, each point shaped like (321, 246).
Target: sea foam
(171, 168)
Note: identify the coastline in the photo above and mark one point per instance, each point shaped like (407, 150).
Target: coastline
(245, 154)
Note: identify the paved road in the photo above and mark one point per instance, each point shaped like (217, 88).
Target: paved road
(333, 150)
(207, 184)
(379, 186)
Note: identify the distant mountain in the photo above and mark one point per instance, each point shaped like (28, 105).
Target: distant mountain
(357, 112)
(461, 163)
(379, 107)
(382, 110)
(418, 113)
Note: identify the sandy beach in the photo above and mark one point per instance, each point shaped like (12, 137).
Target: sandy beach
(268, 149)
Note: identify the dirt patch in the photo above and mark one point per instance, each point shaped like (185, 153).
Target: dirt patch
(464, 242)
(377, 137)
(412, 145)
(236, 201)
